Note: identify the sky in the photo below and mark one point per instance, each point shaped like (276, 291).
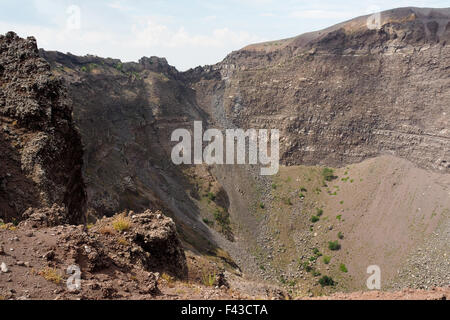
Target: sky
(188, 33)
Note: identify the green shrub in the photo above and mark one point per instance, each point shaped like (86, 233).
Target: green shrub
(207, 222)
(135, 74)
(314, 219)
(303, 189)
(343, 268)
(211, 196)
(326, 259)
(328, 174)
(339, 217)
(307, 267)
(340, 235)
(316, 273)
(119, 66)
(223, 219)
(326, 281)
(319, 212)
(334, 245)
(274, 186)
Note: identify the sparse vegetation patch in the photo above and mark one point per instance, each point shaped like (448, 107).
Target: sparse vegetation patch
(328, 174)
(326, 281)
(334, 245)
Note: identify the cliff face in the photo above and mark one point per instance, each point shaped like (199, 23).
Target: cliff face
(126, 114)
(346, 93)
(40, 150)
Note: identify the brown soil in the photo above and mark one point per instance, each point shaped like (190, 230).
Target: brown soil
(384, 208)
(406, 294)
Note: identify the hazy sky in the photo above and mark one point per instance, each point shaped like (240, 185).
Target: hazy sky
(187, 32)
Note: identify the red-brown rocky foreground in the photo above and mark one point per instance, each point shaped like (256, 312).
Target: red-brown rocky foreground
(128, 256)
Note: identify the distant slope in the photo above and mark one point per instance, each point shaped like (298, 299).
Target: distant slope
(400, 15)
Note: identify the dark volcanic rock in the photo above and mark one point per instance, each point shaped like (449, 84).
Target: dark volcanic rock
(126, 113)
(157, 235)
(46, 217)
(40, 150)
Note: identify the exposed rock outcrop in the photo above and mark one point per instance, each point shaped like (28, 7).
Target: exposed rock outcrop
(126, 113)
(113, 263)
(157, 236)
(40, 149)
(46, 217)
(343, 94)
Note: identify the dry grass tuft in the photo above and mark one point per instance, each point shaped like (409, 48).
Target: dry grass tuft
(209, 279)
(123, 242)
(106, 230)
(52, 275)
(121, 223)
(168, 279)
(8, 226)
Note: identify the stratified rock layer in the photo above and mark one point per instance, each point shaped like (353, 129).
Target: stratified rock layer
(345, 93)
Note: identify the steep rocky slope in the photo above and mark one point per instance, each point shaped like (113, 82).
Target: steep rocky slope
(40, 150)
(126, 113)
(379, 212)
